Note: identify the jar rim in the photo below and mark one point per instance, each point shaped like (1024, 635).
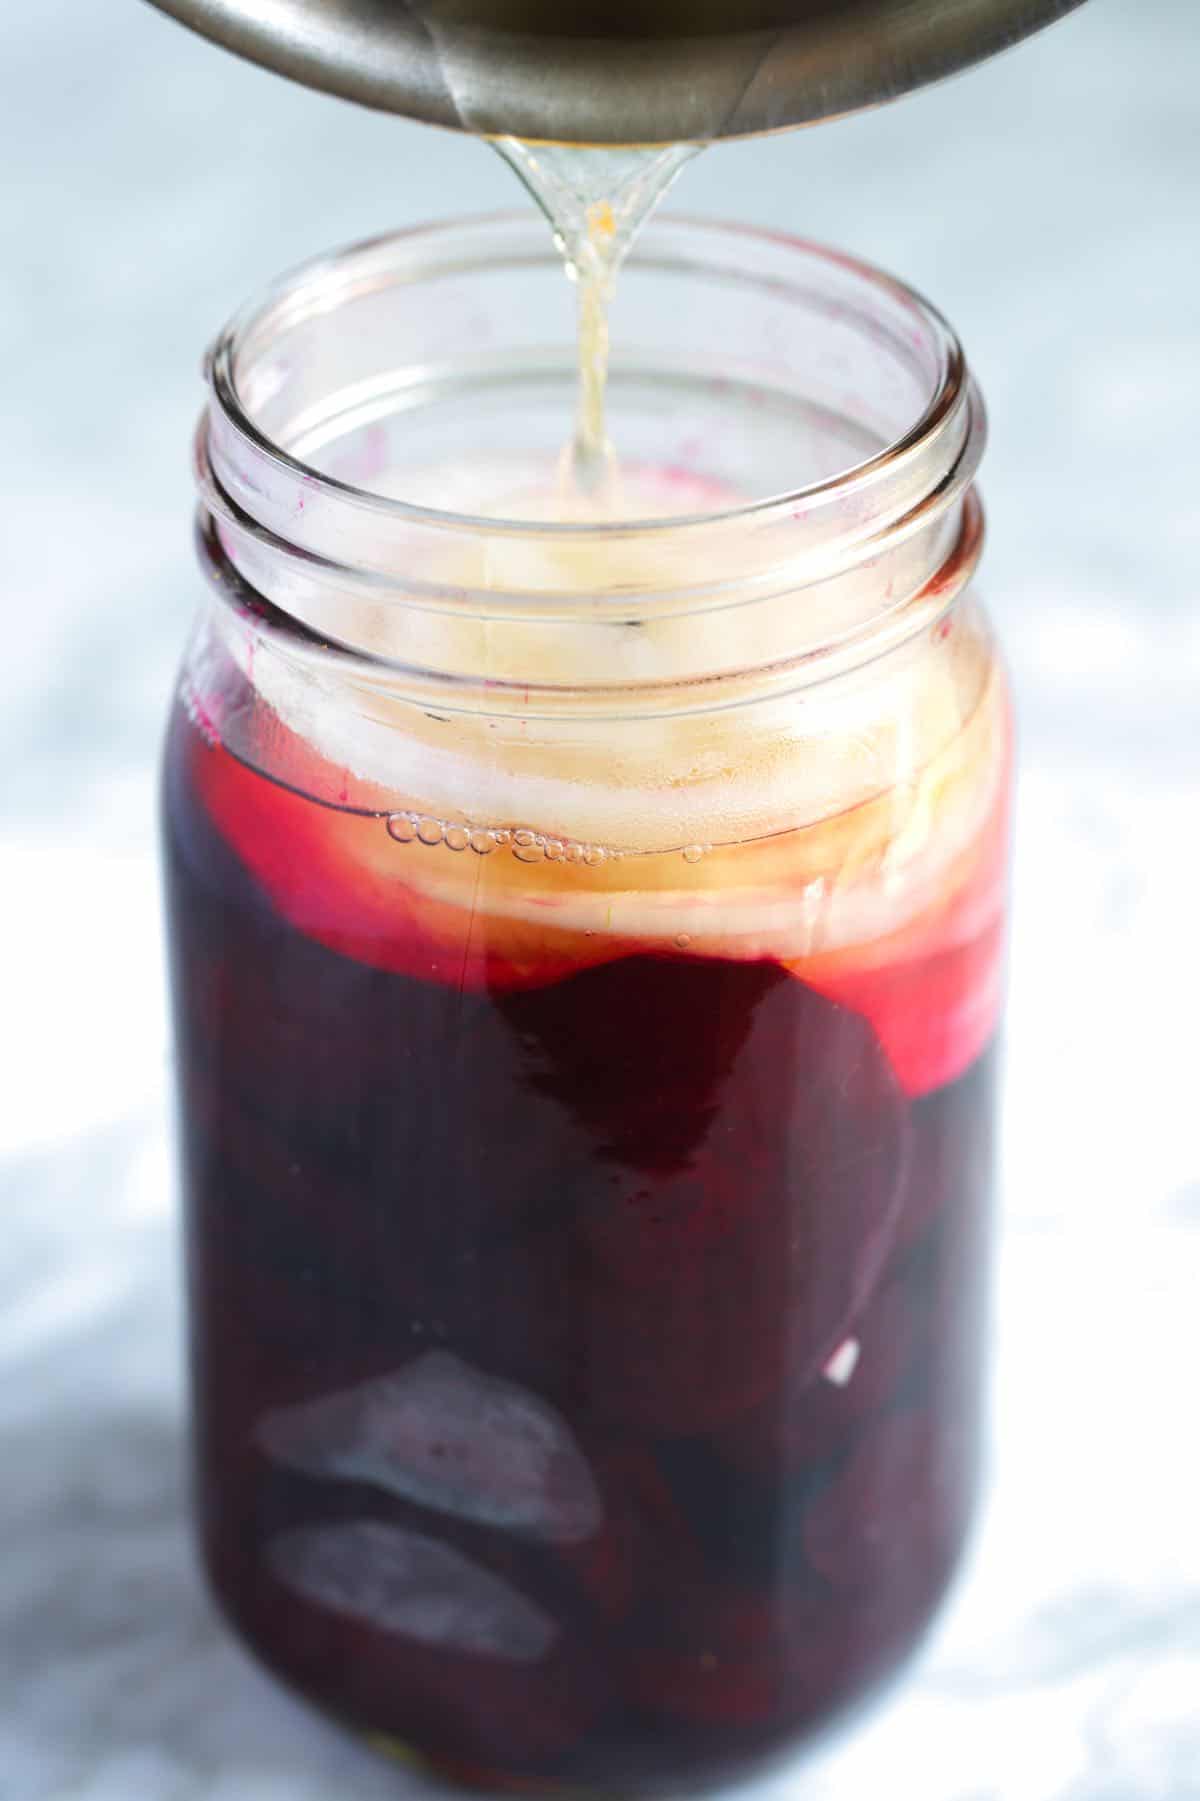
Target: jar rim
(339, 575)
(317, 283)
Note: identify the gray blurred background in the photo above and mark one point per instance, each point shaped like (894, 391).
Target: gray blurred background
(1048, 203)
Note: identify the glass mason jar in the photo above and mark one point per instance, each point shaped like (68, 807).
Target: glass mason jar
(587, 948)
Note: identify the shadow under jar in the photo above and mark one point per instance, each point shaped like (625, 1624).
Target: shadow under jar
(587, 946)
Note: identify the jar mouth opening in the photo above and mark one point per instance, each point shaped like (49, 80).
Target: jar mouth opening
(245, 377)
(412, 367)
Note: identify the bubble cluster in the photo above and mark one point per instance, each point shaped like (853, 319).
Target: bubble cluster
(525, 844)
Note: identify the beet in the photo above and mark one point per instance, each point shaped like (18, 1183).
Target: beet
(585, 1365)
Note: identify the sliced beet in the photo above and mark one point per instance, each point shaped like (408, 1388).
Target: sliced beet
(644, 1545)
(802, 1427)
(512, 1691)
(891, 1523)
(748, 1147)
(953, 1151)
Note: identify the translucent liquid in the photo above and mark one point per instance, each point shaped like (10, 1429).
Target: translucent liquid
(596, 202)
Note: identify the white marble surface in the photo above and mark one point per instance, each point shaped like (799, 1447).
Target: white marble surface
(1049, 203)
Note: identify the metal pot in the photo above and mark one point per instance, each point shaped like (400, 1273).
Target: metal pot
(621, 72)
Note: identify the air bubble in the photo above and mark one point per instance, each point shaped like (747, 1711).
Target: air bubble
(682, 940)
(456, 837)
(574, 853)
(528, 846)
(429, 831)
(555, 850)
(693, 852)
(501, 835)
(594, 855)
(401, 827)
(482, 843)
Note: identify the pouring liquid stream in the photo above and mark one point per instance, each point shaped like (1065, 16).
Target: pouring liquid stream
(596, 201)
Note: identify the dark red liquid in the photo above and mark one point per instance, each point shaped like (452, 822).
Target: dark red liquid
(586, 1374)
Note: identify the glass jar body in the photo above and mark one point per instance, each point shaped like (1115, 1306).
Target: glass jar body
(586, 1183)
